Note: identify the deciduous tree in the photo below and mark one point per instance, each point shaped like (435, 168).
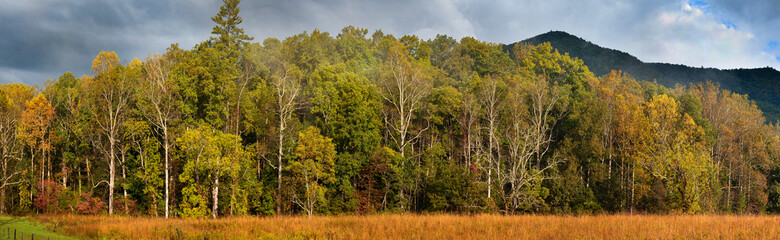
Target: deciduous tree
(312, 169)
(159, 101)
(214, 155)
(35, 130)
(110, 94)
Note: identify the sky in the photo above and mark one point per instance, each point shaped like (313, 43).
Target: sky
(42, 39)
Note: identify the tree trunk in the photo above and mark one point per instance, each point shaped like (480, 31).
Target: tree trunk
(167, 179)
(309, 201)
(491, 135)
(89, 173)
(259, 159)
(49, 168)
(633, 187)
(232, 196)
(124, 188)
(490, 184)
(79, 172)
(154, 206)
(43, 167)
(215, 197)
(279, 166)
(728, 189)
(64, 173)
(111, 168)
(2, 200)
(2, 189)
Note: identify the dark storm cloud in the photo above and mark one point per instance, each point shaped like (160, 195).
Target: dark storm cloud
(43, 38)
(759, 12)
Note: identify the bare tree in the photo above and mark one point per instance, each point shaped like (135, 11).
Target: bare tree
(159, 107)
(111, 92)
(468, 123)
(403, 90)
(9, 148)
(533, 110)
(287, 87)
(491, 96)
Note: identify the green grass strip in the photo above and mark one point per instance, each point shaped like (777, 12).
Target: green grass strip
(28, 228)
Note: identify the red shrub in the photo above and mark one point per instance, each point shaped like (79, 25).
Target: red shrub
(119, 206)
(89, 204)
(48, 197)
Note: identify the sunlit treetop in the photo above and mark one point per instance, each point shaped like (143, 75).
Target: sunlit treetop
(229, 35)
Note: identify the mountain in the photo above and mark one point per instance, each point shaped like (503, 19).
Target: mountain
(760, 84)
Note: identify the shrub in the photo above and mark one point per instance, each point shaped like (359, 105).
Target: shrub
(120, 204)
(52, 197)
(88, 204)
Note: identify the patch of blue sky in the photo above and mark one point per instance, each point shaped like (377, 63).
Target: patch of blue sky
(700, 4)
(729, 24)
(771, 45)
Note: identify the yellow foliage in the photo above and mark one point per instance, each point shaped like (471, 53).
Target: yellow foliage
(104, 62)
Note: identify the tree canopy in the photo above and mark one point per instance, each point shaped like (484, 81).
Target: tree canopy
(359, 123)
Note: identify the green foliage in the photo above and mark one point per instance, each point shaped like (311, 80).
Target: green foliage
(309, 51)
(488, 57)
(449, 187)
(354, 48)
(230, 38)
(193, 203)
(205, 75)
(773, 203)
(348, 107)
(261, 200)
(149, 164)
(313, 168)
(210, 155)
(25, 202)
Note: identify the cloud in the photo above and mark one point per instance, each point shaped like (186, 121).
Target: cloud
(698, 37)
(759, 17)
(44, 38)
(692, 33)
(422, 18)
(692, 36)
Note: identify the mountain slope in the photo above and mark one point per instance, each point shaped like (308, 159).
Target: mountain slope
(761, 84)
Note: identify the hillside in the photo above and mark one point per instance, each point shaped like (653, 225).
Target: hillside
(761, 84)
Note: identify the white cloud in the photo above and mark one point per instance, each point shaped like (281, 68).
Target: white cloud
(689, 35)
(655, 31)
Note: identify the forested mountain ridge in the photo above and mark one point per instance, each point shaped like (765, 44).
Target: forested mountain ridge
(761, 84)
(364, 123)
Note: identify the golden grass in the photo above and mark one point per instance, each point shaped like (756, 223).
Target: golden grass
(412, 226)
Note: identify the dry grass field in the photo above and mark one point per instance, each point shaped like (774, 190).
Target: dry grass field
(411, 226)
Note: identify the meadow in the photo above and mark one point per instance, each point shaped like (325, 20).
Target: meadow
(410, 226)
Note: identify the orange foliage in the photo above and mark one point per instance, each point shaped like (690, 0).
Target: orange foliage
(36, 121)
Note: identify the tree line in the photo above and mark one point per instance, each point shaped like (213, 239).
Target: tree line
(316, 124)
